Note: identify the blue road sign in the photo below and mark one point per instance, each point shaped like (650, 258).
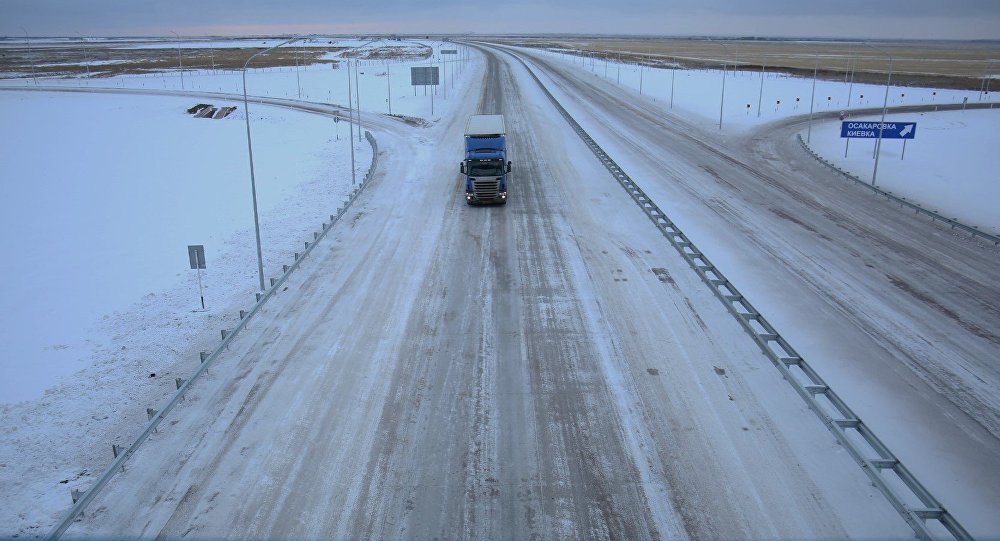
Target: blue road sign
(870, 130)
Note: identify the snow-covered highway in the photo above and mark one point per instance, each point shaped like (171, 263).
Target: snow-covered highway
(899, 314)
(553, 368)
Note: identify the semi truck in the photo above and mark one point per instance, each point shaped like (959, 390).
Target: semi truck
(485, 168)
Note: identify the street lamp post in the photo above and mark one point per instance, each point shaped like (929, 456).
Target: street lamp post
(850, 86)
(388, 88)
(885, 105)
(357, 94)
(253, 180)
(298, 81)
(86, 53)
(350, 123)
(722, 101)
(987, 76)
(760, 95)
(27, 42)
(673, 73)
(812, 98)
(180, 63)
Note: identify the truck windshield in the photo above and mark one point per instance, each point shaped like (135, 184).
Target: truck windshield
(485, 169)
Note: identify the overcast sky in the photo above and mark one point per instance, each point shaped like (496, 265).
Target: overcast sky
(934, 19)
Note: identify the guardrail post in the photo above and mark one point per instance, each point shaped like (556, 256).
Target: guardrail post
(75, 494)
(179, 382)
(117, 450)
(203, 355)
(243, 315)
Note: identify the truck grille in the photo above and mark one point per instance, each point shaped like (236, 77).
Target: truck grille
(486, 189)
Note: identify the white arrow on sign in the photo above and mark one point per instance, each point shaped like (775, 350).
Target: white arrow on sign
(906, 130)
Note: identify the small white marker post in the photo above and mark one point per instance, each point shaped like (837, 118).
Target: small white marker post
(196, 254)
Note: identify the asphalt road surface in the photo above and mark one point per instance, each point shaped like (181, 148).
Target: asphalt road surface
(547, 369)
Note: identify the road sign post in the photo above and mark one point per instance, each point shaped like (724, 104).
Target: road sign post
(424, 76)
(857, 129)
(196, 255)
(448, 52)
(878, 131)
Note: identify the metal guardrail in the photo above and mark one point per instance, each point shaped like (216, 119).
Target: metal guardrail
(207, 359)
(903, 202)
(904, 492)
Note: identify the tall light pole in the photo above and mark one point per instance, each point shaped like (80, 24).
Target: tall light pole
(298, 82)
(760, 95)
(885, 105)
(350, 123)
(673, 72)
(253, 180)
(388, 87)
(86, 53)
(357, 94)
(27, 42)
(722, 101)
(850, 87)
(180, 63)
(812, 98)
(987, 75)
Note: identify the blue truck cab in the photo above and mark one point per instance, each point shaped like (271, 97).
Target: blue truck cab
(485, 168)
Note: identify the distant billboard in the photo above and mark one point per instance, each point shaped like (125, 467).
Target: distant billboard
(424, 76)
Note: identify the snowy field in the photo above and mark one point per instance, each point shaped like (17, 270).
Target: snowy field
(104, 194)
(750, 99)
(384, 84)
(949, 167)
